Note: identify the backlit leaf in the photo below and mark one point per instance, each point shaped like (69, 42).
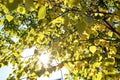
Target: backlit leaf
(82, 36)
(41, 12)
(21, 10)
(1, 21)
(93, 49)
(110, 33)
(9, 17)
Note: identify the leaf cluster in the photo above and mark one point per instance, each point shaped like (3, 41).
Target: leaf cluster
(81, 35)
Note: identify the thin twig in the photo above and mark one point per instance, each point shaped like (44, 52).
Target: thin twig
(110, 27)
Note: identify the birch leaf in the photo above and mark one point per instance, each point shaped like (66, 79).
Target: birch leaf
(9, 17)
(41, 12)
(92, 49)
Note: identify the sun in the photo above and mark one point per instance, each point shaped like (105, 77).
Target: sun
(44, 58)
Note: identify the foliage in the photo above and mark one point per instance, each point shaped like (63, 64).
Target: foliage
(81, 35)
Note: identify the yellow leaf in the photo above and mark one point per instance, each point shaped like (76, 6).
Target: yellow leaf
(32, 31)
(41, 36)
(1, 21)
(101, 14)
(110, 33)
(96, 14)
(92, 49)
(99, 76)
(63, 10)
(1, 14)
(5, 10)
(58, 20)
(113, 50)
(41, 12)
(9, 17)
(97, 64)
(21, 10)
(11, 1)
(76, 78)
(72, 3)
(66, 1)
(75, 71)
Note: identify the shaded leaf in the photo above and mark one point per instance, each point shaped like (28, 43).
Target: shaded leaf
(5, 62)
(40, 72)
(60, 65)
(28, 4)
(13, 4)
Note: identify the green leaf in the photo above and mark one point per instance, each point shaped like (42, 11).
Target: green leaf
(117, 56)
(13, 4)
(81, 26)
(93, 59)
(41, 12)
(5, 63)
(89, 20)
(72, 3)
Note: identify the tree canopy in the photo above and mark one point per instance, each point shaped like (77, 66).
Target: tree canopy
(81, 35)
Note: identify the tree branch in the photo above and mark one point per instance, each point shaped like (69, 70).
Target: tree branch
(110, 27)
(116, 40)
(103, 12)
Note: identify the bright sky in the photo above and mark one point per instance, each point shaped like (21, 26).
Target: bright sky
(5, 71)
(1, 27)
